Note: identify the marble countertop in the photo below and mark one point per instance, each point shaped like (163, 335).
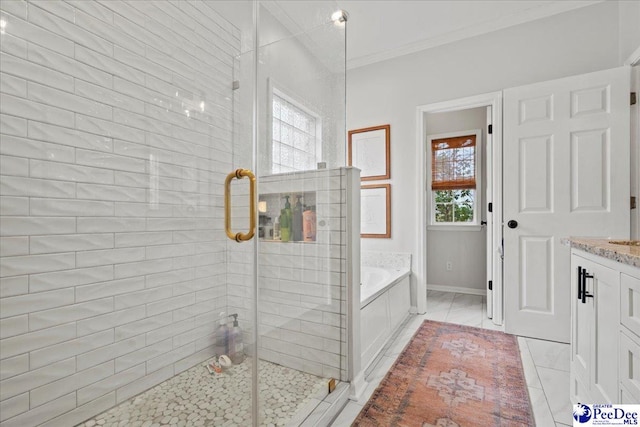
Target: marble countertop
(624, 254)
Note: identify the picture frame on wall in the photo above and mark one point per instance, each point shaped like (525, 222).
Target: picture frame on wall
(375, 211)
(370, 151)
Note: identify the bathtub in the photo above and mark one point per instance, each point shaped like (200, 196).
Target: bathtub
(384, 304)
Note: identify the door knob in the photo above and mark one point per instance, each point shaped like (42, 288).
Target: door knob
(512, 223)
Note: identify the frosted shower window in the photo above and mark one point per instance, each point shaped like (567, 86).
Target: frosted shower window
(295, 140)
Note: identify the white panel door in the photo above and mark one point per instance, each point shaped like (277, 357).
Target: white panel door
(566, 173)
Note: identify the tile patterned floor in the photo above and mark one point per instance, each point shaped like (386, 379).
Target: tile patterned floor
(197, 398)
(546, 364)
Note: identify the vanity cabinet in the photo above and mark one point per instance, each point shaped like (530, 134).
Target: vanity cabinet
(595, 300)
(605, 330)
(630, 336)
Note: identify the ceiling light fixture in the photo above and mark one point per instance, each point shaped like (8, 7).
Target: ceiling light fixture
(339, 18)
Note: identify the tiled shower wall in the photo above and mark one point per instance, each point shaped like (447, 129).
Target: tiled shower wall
(116, 121)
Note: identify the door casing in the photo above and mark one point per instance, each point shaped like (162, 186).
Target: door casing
(493, 100)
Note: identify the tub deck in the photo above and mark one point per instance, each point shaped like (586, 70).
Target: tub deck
(370, 291)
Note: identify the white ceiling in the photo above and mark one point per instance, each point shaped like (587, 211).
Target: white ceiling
(381, 29)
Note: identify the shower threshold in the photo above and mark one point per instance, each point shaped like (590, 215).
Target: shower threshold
(197, 398)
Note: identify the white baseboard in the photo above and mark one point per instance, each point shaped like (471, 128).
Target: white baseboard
(414, 310)
(357, 386)
(457, 289)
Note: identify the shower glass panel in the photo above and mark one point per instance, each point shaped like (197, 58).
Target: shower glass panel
(288, 284)
(301, 128)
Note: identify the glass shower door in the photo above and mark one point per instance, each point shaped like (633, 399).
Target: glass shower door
(287, 284)
(301, 215)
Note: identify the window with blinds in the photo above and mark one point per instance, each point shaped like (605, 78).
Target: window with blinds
(295, 143)
(454, 168)
(453, 163)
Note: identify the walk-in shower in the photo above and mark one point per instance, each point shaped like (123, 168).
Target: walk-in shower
(120, 123)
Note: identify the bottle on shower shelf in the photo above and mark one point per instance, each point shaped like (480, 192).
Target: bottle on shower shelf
(276, 229)
(287, 205)
(268, 230)
(284, 226)
(296, 222)
(286, 213)
(309, 225)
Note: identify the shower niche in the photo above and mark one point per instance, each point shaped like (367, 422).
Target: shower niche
(296, 224)
(302, 207)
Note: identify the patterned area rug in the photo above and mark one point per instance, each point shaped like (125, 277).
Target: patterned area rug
(452, 376)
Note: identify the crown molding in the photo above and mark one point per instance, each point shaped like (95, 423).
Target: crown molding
(472, 31)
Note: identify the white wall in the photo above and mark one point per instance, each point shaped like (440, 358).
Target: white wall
(572, 43)
(629, 13)
(465, 249)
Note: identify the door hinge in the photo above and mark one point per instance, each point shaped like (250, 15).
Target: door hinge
(633, 202)
(235, 85)
(490, 207)
(634, 98)
(490, 130)
(490, 285)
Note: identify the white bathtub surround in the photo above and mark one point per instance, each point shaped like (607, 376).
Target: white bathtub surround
(380, 270)
(376, 280)
(390, 260)
(385, 300)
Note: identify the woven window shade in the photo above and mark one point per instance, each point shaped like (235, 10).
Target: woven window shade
(453, 163)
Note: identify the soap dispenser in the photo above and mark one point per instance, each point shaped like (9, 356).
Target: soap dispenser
(236, 345)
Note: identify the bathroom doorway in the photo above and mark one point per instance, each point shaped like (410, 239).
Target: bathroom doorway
(459, 144)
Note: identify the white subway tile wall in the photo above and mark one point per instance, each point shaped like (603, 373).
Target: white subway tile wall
(116, 128)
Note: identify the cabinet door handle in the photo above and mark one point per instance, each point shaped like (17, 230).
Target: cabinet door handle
(579, 282)
(585, 294)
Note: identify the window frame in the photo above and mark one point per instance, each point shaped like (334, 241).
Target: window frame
(278, 90)
(477, 212)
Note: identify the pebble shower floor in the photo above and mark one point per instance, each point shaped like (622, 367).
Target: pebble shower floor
(197, 398)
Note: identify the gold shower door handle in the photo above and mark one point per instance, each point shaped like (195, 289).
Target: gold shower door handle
(239, 174)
